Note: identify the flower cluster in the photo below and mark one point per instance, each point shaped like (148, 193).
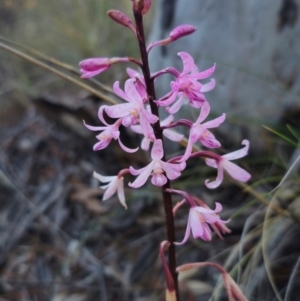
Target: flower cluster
(140, 113)
(189, 87)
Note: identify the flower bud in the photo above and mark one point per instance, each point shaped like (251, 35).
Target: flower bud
(147, 5)
(181, 31)
(93, 66)
(121, 18)
(141, 6)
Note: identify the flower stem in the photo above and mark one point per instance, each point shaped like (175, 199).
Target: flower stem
(158, 135)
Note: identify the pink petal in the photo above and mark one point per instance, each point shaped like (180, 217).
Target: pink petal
(187, 232)
(136, 128)
(101, 144)
(126, 149)
(235, 171)
(167, 101)
(100, 115)
(215, 122)
(151, 118)
(146, 127)
(176, 106)
(204, 74)
(172, 170)
(103, 179)
(136, 172)
(205, 109)
(142, 178)
(119, 92)
(111, 189)
(209, 140)
(206, 236)
(132, 92)
(196, 225)
(157, 151)
(132, 73)
(211, 163)
(159, 180)
(88, 74)
(119, 110)
(189, 149)
(145, 144)
(172, 135)
(188, 62)
(195, 132)
(209, 86)
(94, 128)
(218, 181)
(121, 194)
(239, 153)
(167, 120)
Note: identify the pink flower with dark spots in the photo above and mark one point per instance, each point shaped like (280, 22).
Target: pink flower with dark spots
(186, 86)
(159, 169)
(232, 169)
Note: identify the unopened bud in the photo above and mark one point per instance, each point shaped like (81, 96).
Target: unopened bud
(181, 31)
(177, 33)
(121, 18)
(141, 6)
(93, 66)
(147, 5)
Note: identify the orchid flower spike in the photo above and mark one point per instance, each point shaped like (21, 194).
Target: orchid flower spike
(159, 169)
(232, 169)
(108, 133)
(93, 66)
(186, 85)
(200, 131)
(115, 184)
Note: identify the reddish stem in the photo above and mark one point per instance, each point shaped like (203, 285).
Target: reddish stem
(168, 206)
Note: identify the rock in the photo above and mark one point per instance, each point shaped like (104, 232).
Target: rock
(257, 52)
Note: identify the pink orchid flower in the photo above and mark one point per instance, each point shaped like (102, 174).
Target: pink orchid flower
(156, 168)
(133, 111)
(108, 133)
(186, 86)
(170, 134)
(232, 169)
(115, 184)
(198, 221)
(200, 131)
(219, 227)
(93, 66)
